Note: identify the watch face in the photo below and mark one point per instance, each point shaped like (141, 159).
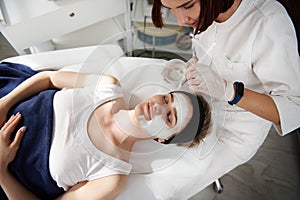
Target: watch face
(240, 89)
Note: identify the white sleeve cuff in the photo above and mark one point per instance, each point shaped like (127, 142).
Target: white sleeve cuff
(289, 111)
(229, 91)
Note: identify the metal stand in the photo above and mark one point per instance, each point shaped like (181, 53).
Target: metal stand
(217, 185)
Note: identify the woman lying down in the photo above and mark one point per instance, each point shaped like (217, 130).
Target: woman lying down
(75, 143)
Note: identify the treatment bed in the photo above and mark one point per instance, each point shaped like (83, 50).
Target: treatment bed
(159, 171)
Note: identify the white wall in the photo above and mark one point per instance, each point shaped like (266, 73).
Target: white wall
(18, 11)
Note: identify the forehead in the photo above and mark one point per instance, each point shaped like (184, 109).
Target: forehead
(184, 107)
(175, 3)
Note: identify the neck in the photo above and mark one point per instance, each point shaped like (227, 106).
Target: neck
(126, 130)
(226, 15)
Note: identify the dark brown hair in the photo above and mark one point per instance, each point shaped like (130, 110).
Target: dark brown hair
(210, 10)
(198, 126)
(206, 124)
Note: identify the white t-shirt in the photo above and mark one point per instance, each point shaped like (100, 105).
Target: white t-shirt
(73, 157)
(257, 45)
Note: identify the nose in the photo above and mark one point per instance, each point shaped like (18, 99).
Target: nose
(182, 19)
(160, 109)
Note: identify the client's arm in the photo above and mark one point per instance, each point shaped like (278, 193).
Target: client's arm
(47, 80)
(105, 188)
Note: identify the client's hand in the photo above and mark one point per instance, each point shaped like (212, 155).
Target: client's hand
(8, 148)
(203, 79)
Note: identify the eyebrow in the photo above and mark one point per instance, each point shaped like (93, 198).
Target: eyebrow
(182, 5)
(175, 111)
(172, 97)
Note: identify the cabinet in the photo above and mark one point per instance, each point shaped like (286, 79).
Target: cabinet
(148, 38)
(43, 25)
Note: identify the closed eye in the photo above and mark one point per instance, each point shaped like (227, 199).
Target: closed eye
(169, 118)
(172, 118)
(165, 99)
(186, 5)
(189, 6)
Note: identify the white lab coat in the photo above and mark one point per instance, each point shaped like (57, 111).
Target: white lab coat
(251, 48)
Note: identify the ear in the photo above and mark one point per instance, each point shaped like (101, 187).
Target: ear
(161, 140)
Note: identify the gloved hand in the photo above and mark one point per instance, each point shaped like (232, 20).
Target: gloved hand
(203, 79)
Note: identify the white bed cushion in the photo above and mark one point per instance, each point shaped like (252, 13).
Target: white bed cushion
(159, 171)
(69, 59)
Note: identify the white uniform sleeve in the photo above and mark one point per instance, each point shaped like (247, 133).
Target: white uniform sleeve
(276, 63)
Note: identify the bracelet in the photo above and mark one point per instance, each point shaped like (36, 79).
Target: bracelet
(239, 93)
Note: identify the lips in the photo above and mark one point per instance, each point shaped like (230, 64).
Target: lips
(194, 25)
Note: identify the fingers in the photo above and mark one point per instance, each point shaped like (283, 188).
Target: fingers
(194, 77)
(191, 73)
(10, 125)
(194, 82)
(192, 61)
(16, 142)
(191, 68)
(12, 122)
(2, 121)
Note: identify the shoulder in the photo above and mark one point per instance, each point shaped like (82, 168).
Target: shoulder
(111, 80)
(269, 15)
(269, 8)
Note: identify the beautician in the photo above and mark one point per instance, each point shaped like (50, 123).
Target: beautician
(252, 46)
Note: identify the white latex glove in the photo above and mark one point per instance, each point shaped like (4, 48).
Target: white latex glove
(203, 79)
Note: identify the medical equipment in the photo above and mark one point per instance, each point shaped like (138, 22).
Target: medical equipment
(174, 72)
(147, 33)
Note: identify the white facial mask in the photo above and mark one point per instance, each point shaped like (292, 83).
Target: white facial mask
(157, 126)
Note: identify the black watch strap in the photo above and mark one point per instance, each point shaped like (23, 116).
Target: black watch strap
(239, 93)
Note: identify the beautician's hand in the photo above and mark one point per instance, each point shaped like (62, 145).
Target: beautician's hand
(192, 61)
(8, 148)
(203, 79)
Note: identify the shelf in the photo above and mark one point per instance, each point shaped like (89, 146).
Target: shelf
(138, 44)
(138, 16)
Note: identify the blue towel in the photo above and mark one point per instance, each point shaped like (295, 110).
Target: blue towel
(31, 165)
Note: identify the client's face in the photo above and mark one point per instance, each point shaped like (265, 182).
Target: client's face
(164, 115)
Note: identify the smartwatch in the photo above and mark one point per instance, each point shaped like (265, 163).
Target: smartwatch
(239, 93)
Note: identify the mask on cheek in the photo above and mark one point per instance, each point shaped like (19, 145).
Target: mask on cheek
(156, 127)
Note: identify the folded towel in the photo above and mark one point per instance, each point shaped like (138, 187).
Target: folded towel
(31, 165)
